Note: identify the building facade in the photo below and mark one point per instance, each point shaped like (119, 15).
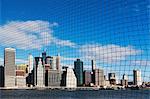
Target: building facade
(1, 76)
(124, 81)
(9, 67)
(78, 68)
(54, 78)
(98, 77)
(71, 80)
(137, 79)
(44, 57)
(40, 74)
(112, 78)
(68, 78)
(21, 81)
(87, 78)
(30, 63)
(51, 61)
(58, 67)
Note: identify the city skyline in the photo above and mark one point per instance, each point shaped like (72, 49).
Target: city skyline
(85, 33)
(52, 63)
(45, 74)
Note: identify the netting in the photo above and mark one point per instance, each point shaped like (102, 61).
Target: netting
(110, 39)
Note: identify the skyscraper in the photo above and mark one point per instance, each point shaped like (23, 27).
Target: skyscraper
(87, 77)
(44, 57)
(36, 63)
(30, 62)
(40, 74)
(93, 64)
(71, 80)
(98, 77)
(68, 78)
(9, 66)
(78, 68)
(137, 79)
(54, 63)
(1, 76)
(58, 68)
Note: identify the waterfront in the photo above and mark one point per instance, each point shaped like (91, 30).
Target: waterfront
(76, 94)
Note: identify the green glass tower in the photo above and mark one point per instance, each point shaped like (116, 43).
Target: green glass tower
(78, 68)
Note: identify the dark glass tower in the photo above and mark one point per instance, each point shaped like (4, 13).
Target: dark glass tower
(44, 57)
(78, 68)
(1, 76)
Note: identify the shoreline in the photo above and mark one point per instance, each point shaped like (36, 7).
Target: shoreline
(65, 88)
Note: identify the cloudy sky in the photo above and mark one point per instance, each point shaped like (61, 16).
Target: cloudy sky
(114, 33)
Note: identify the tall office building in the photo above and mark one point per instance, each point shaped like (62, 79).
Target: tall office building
(44, 57)
(68, 78)
(87, 78)
(71, 80)
(54, 63)
(98, 77)
(36, 63)
(1, 76)
(137, 79)
(78, 68)
(30, 63)
(58, 68)
(40, 74)
(9, 67)
(93, 64)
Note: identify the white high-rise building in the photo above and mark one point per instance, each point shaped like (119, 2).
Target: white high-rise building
(71, 80)
(30, 62)
(9, 63)
(40, 74)
(137, 79)
(54, 63)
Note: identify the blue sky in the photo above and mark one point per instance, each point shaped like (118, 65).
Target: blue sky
(114, 33)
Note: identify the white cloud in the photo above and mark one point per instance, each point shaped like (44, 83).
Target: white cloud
(68, 59)
(21, 61)
(30, 35)
(140, 63)
(64, 42)
(107, 53)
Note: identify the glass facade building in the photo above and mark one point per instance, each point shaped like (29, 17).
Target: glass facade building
(78, 68)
